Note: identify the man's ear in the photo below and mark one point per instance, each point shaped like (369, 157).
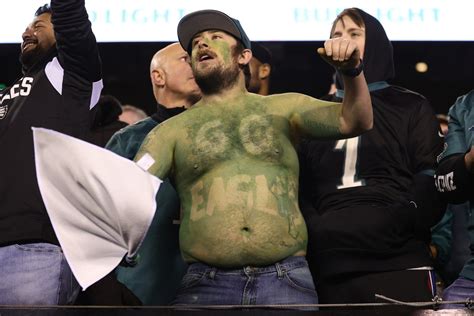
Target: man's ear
(264, 71)
(158, 77)
(245, 56)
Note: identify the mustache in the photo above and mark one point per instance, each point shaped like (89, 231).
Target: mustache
(28, 41)
(205, 51)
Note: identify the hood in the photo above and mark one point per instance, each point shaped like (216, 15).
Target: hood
(378, 52)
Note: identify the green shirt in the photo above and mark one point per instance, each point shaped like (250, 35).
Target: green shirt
(156, 277)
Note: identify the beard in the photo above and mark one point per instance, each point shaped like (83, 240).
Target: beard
(218, 78)
(30, 57)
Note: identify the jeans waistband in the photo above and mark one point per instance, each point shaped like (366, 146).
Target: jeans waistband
(285, 264)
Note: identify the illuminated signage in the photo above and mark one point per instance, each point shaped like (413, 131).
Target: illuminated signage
(264, 20)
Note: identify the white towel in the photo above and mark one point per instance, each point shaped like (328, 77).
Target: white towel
(100, 204)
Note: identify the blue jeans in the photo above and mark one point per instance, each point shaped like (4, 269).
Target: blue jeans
(35, 274)
(460, 290)
(283, 283)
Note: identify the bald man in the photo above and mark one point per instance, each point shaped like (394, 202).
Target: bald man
(160, 266)
(174, 89)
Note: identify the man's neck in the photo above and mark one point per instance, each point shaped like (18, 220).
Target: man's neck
(172, 102)
(225, 95)
(264, 90)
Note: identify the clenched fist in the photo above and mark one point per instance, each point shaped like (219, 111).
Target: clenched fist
(341, 53)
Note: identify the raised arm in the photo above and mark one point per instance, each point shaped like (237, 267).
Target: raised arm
(356, 113)
(77, 47)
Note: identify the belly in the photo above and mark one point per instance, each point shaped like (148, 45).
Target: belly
(241, 214)
(238, 238)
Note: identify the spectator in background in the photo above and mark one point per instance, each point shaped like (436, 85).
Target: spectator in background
(455, 181)
(450, 238)
(450, 243)
(131, 114)
(105, 120)
(158, 273)
(61, 81)
(332, 88)
(260, 69)
(369, 201)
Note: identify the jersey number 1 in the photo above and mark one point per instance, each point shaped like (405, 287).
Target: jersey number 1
(349, 177)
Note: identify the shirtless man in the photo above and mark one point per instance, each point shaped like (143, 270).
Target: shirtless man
(232, 159)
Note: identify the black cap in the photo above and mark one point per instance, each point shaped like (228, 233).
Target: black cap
(261, 53)
(204, 20)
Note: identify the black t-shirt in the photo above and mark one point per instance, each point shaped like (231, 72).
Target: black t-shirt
(378, 166)
(360, 197)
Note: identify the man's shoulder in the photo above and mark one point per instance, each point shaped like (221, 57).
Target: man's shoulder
(462, 109)
(280, 96)
(409, 103)
(138, 129)
(126, 141)
(141, 126)
(404, 93)
(465, 101)
(283, 100)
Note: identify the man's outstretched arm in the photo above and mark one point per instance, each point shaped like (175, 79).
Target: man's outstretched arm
(356, 113)
(321, 119)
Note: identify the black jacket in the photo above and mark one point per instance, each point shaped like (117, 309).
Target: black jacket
(56, 93)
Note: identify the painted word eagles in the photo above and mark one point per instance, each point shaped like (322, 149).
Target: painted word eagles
(245, 192)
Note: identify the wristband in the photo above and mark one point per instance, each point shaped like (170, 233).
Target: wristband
(353, 72)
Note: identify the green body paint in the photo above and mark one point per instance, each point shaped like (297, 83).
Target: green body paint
(236, 171)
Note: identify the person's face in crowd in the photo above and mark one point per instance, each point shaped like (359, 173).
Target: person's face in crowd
(214, 60)
(347, 28)
(255, 82)
(129, 117)
(178, 72)
(38, 38)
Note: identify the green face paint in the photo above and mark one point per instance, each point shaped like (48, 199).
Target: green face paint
(223, 46)
(225, 51)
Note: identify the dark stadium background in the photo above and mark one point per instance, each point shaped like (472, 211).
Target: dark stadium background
(297, 68)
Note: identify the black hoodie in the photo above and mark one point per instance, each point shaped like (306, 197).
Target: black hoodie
(369, 201)
(378, 53)
(56, 93)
